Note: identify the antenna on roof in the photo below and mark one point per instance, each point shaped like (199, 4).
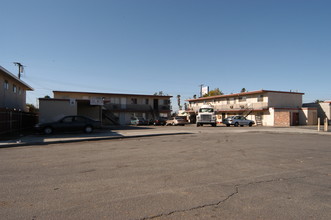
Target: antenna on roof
(20, 68)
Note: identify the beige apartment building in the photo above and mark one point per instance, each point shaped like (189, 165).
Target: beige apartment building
(13, 91)
(265, 107)
(110, 108)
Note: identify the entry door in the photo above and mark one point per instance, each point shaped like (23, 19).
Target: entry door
(295, 119)
(156, 104)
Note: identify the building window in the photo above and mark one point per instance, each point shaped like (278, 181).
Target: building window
(242, 99)
(6, 85)
(227, 101)
(260, 98)
(19, 90)
(147, 101)
(134, 101)
(14, 89)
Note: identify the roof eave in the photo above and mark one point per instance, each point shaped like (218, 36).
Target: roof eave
(16, 78)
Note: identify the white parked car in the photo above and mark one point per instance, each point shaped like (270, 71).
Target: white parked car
(238, 120)
(176, 121)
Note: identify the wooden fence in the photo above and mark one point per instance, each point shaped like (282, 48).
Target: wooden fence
(14, 123)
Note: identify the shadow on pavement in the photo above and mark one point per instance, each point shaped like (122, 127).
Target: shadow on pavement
(105, 133)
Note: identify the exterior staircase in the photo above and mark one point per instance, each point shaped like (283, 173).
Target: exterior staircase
(107, 114)
(258, 120)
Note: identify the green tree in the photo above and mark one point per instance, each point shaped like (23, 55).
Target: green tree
(214, 92)
(32, 108)
(243, 90)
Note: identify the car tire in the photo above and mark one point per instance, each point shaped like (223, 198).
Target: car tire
(250, 124)
(48, 130)
(88, 129)
(236, 124)
(214, 125)
(198, 125)
(228, 125)
(173, 124)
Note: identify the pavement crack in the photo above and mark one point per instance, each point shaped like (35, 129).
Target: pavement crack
(235, 192)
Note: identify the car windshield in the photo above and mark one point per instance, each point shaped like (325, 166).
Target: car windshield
(206, 110)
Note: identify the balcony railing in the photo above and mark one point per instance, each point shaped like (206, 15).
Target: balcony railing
(235, 107)
(135, 107)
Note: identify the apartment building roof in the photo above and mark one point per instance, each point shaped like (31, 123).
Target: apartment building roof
(242, 94)
(12, 76)
(111, 94)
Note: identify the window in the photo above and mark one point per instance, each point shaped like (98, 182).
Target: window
(147, 101)
(242, 99)
(227, 101)
(260, 98)
(134, 101)
(19, 90)
(6, 85)
(166, 102)
(14, 89)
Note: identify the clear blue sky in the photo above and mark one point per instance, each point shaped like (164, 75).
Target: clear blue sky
(146, 46)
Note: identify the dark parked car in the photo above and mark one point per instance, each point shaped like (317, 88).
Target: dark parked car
(69, 123)
(160, 121)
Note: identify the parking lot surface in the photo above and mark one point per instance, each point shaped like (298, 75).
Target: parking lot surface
(177, 173)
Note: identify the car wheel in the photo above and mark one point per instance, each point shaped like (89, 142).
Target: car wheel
(214, 125)
(48, 130)
(198, 124)
(250, 124)
(228, 125)
(173, 124)
(236, 124)
(88, 129)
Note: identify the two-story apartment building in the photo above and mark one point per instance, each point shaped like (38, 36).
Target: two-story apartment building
(266, 107)
(110, 108)
(13, 91)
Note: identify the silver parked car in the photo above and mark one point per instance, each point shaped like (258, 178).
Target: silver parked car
(238, 120)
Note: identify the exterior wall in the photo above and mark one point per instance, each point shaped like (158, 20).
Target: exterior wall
(52, 110)
(284, 100)
(282, 118)
(308, 116)
(125, 100)
(268, 118)
(9, 98)
(93, 112)
(263, 103)
(323, 110)
(122, 106)
(326, 108)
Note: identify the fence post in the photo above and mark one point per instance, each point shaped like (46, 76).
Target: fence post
(318, 124)
(326, 124)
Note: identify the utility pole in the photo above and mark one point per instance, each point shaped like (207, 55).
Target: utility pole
(20, 68)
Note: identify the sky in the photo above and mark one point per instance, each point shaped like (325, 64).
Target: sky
(173, 46)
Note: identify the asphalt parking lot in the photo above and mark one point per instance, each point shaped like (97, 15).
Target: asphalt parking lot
(175, 173)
